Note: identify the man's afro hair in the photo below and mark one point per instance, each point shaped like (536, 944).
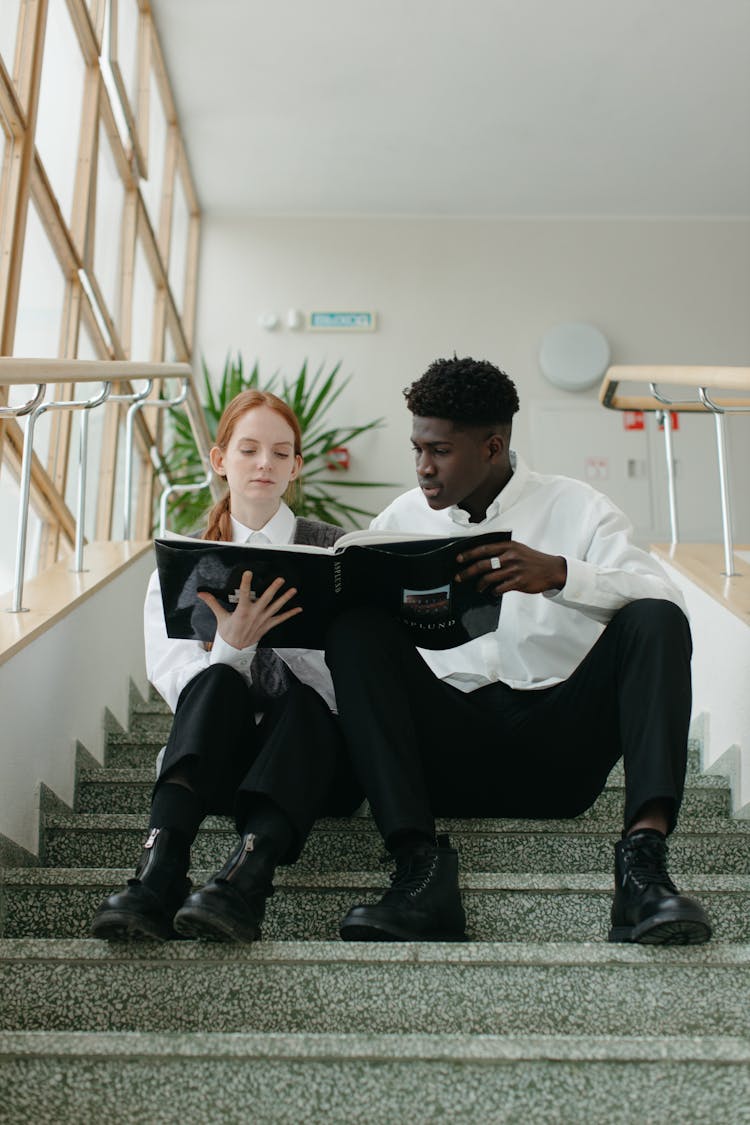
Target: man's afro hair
(467, 391)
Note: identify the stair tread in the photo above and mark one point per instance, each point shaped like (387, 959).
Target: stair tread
(398, 1047)
(347, 880)
(554, 954)
(692, 826)
(146, 775)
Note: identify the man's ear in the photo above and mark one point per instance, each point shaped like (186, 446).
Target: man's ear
(216, 457)
(496, 446)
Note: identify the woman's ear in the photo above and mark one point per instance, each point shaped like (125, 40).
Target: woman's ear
(216, 457)
(297, 467)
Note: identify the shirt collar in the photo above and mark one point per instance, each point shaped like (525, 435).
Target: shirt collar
(504, 500)
(279, 529)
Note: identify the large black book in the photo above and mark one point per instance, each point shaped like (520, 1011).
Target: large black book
(410, 577)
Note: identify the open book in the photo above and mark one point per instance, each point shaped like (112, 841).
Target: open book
(411, 577)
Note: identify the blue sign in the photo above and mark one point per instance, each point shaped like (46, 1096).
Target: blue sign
(342, 321)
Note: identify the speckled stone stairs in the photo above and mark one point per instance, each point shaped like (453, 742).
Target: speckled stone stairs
(537, 1018)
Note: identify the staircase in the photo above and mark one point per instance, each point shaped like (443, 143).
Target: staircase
(537, 1019)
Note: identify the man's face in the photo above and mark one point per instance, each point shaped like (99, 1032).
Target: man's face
(455, 466)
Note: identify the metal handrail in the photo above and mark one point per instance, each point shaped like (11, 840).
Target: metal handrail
(138, 404)
(24, 371)
(25, 493)
(732, 378)
(174, 490)
(27, 407)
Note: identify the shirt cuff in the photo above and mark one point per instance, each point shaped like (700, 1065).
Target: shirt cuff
(239, 658)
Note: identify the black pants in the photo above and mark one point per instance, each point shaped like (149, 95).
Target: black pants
(295, 756)
(422, 748)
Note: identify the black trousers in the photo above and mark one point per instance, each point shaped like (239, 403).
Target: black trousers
(295, 756)
(422, 748)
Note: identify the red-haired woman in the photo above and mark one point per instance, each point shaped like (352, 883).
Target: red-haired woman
(253, 734)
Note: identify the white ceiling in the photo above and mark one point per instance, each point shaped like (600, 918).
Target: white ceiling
(463, 107)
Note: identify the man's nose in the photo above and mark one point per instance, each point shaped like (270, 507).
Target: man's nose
(425, 467)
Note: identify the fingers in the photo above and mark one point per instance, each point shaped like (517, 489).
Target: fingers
(486, 551)
(482, 560)
(216, 608)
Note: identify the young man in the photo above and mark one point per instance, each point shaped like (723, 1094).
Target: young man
(590, 662)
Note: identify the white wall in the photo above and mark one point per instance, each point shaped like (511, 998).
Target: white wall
(662, 292)
(54, 691)
(721, 660)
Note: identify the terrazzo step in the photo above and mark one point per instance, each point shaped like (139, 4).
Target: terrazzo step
(381, 1079)
(129, 791)
(139, 747)
(272, 987)
(60, 902)
(703, 845)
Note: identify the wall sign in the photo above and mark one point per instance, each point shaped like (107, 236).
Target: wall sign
(634, 420)
(342, 321)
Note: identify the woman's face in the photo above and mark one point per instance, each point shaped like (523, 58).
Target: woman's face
(258, 462)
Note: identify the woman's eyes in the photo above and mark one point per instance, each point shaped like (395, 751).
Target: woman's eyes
(250, 452)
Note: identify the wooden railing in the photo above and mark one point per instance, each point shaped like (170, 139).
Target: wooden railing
(702, 383)
(115, 379)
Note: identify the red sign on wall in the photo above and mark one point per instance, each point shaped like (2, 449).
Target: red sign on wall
(634, 420)
(675, 420)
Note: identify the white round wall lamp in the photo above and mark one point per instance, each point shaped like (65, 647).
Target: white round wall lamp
(574, 356)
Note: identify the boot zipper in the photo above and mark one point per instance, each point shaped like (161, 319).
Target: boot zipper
(248, 846)
(147, 847)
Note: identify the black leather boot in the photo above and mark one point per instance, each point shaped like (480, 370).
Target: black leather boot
(232, 904)
(647, 907)
(146, 907)
(423, 903)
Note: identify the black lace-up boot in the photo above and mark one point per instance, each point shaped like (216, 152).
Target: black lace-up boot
(647, 907)
(146, 907)
(232, 904)
(423, 903)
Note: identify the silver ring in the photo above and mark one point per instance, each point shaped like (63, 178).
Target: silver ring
(495, 562)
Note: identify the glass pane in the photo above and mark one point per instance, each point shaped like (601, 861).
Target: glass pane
(144, 292)
(151, 189)
(118, 520)
(3, 144)
(60, 102)
(9, 493)
(109, 82)
(86, 350)
(179, 243)
(127, 49)
(110, 201)
(9, 10)
(41, 295)
(40, 306)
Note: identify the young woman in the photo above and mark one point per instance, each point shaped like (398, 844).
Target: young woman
(253, 734)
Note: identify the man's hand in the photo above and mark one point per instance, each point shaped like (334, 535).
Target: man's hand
(520, 568)
(251, 618)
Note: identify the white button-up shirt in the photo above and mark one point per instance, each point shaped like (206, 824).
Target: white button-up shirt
(542, 638)
(171, 663)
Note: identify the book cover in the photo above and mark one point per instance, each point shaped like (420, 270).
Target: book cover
(410, 577)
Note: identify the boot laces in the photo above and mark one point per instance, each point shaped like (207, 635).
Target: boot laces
(412, 875)
(646, 865)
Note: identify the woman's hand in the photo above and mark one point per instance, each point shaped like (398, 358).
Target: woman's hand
(251, 618)
(501, 567)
